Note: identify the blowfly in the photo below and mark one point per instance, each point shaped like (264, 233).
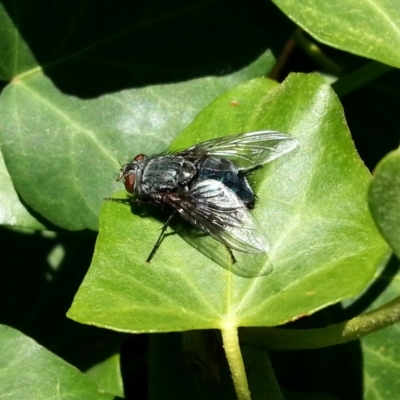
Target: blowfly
(207, 185)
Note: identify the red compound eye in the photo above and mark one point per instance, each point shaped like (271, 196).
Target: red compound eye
(129, 182)
(139, 157)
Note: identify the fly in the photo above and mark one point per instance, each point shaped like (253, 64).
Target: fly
(207, 185)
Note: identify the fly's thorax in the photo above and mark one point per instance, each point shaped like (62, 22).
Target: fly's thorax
(167, 173)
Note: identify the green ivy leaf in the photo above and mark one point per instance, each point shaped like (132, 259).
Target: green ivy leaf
(312, 207)
(88, 83)
(380, 351)
(44, 375)
(63, 152)
(384, 199)
(107, 374)
(370, 28)
(12, 211)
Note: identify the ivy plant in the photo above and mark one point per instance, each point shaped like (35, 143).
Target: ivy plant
(88, 86)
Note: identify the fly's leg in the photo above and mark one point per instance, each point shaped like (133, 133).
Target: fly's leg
(232, 255)
(123, 201)
(127, 201)
(163, 229)
(161, 237)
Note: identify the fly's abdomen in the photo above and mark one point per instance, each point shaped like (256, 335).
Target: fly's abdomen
(167, 173)
(225, 171)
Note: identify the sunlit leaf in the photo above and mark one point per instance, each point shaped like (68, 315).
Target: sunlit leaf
(29, 371)
(107, 374)
(89, 83)
(312, 206)
(368, 28)
(63, 153)
(12, 211)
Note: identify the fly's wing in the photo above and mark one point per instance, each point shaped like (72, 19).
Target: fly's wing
(246, 150)
(218, 211)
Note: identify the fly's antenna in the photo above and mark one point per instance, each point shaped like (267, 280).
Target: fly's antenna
(121, 170)
(119, 162)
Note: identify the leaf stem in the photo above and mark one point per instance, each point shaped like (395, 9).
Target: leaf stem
(230, 339)
(315, 52)
(356, 328)
(282, 59)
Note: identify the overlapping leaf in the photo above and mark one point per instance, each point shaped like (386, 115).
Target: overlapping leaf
(84, 90)
(384, 199)
(29, 371)
(369, 28)
(63, 152)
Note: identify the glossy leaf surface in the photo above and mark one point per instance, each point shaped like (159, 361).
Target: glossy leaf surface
(384, 199)
(312, 207)
(63, 152)
(369, 28)
(78, 100)
(12, 211)
(29, 371)
(107, 374)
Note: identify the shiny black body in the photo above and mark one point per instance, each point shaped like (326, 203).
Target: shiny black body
(227, 172)
(207, 185)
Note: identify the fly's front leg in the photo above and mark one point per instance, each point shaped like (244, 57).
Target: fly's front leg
(123, 201)
(234, 261)
(129, 201)
(152, 203)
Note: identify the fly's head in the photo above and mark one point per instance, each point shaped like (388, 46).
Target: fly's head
(132, 172)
